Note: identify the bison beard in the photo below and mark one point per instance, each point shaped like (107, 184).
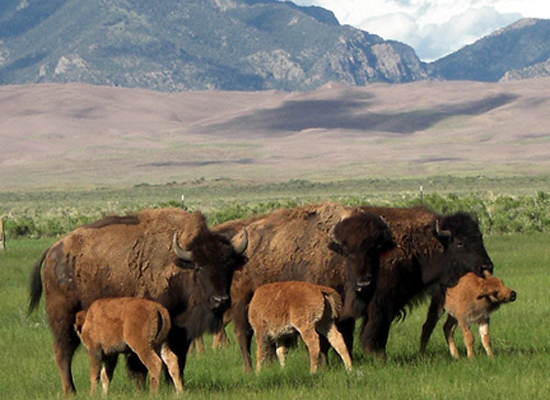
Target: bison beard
(134, 256)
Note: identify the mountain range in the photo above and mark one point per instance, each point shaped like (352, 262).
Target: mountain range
(243, 45)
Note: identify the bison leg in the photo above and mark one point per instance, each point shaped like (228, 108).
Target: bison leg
(109, 365)
(435, 312)
(66, 342)
(374, 336)
(244, 332)
(220, 339)
(449, 330)
(486, 338)
(197, 344)
(171, 361)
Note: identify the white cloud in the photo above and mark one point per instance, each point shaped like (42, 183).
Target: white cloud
(434, 28)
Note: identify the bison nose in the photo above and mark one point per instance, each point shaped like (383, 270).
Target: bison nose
(362, 284)
(513, 295)
(220, 302)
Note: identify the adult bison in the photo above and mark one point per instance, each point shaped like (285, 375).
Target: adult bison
(327, 244)
(166, 255)
(433, 251)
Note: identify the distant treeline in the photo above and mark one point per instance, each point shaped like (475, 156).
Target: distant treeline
(497, 214)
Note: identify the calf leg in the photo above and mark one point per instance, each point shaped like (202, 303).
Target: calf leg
(95, 368)
(449, 329)
(263, 348)
(468, 338)
(171, 361)
(486, 338)
(136, 370)
(435, 312)
(281, 351)
(153, 363)
(109, 364)
(337, 341)
(311, 339)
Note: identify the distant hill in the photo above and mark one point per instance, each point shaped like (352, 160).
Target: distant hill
(63, 135)
(174, 45)
(522, 46)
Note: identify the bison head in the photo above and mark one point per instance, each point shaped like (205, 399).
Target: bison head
(464, 250)
(214, 259)
(362, 238)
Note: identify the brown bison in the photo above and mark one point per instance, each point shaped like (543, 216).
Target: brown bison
(166, 255)
(471, 301)
(281, 310)
(327, 244)
(433, 251)
(127, 324)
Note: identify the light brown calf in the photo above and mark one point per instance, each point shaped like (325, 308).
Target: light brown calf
(281, 310)
(471, 301)
(113, 326)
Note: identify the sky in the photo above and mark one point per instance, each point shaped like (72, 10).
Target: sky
(434, 28)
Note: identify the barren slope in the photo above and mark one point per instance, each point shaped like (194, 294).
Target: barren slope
(65, 135)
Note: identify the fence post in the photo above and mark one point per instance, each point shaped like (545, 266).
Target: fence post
(2, 234)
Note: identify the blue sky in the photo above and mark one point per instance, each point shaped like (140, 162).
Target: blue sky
(434, 28)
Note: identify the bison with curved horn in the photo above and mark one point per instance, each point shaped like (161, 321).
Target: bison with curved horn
(433, 252)
(327, 244)
(166, 255)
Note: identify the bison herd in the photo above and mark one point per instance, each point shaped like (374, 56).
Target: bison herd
(366, 264)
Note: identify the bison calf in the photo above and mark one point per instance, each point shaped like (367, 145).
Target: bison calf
(281, 310)
(113, 326)
(471, 301)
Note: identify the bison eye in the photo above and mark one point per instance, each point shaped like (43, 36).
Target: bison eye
(459, 244)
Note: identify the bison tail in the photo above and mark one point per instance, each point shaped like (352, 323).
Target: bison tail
(36, 284)
(334, 302)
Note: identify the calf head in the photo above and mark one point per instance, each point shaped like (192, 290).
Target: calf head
(213, 259)
(494, 290)
(80, 318)
(362, 238)
(464, 250)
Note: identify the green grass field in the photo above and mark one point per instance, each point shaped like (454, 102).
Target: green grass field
(519, 332)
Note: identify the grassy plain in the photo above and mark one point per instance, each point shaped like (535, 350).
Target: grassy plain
(519, 332)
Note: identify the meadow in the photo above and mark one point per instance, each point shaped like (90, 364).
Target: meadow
(519, 332)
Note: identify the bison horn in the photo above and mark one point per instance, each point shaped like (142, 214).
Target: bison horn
(242, 244)
(182, 254)
(441, 232)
